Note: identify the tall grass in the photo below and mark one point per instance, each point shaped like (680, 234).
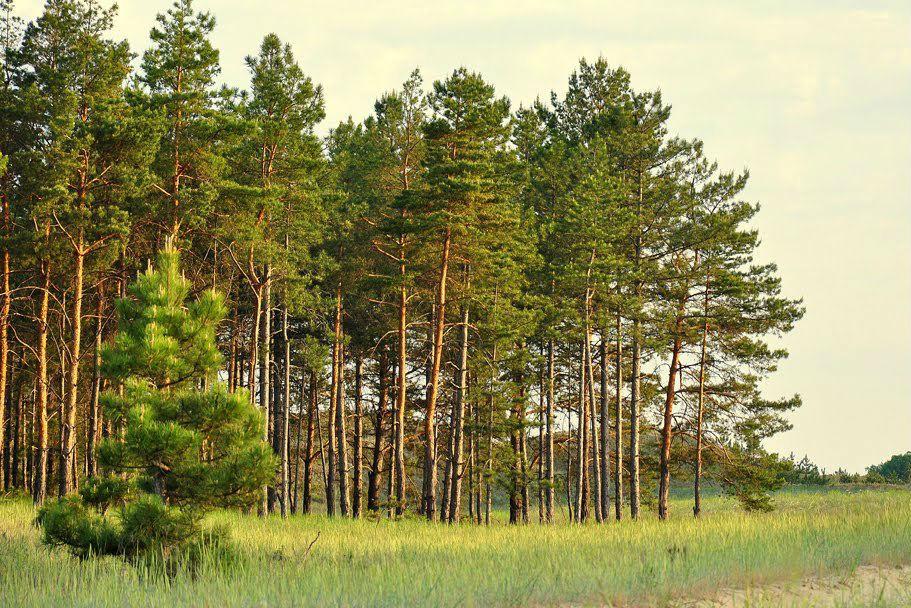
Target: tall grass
(407, 563)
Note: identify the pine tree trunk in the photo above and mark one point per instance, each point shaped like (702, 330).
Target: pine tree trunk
(331, 465)
(488, 466)
(605, 431)
(254, 344)
(5, 307)
(635, 392)
(344, 495)
(618, 423)
(549, 428)
(68, 448)
(286, 417)
(700, 409)
(400, 395)
(455, 509)
(433, 388)
(17, 474)
(375, 475)
(391, 483)
(40, 470)
(232, 360)
(94, 410)
(298, 439)
(312, 419)
(593, 422)
(374, 478)
(580, 443)
(265, 374)
(446, 494)
(470, 441)
(697, 496)
(540, 467)
(634, 423)
(358, 439)
(664, 472)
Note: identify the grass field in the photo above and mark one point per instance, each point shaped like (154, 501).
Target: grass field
(408, 563)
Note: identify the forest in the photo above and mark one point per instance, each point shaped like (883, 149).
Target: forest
(453, 306)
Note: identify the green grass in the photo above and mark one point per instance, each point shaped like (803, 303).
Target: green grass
(383, 563)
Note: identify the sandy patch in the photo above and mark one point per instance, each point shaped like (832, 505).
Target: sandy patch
(866, 586)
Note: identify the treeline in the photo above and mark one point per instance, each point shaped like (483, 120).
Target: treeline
(896, 470)
(448, 304)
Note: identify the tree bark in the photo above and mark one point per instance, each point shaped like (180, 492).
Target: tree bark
(39, 476)
(455, 507)
(344, 495)
(286, 416)
(400, 396)
(298, 439)
(667, 426)
(430, 451)
(5, 307)
(580, 442)
(634, 422)
(700, 409)
(333, 406)
(358, 439)
(312, 418)
(549, 422)
(375, 475)
(605, 431)
(618, 423)
(593, 421)
(94, 410)
(265, 373)
(68, 449)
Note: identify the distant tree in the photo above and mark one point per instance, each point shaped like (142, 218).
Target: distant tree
(895, 470)
(184, 450)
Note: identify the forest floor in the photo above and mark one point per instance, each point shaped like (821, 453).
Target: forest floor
(836, 548)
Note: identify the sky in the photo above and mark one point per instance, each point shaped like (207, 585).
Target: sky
(814, 97)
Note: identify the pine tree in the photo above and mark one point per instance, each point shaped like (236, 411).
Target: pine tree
(179, 72)
(468, 128)
(184, 450)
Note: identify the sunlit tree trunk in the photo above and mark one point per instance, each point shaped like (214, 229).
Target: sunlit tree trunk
(581, 442)
(68, 448)
(401, 394)
(618, 423)
(605, 431)
(341, 427)
(265, 374)
(358, 439)
(549, 429)
(455, 508)
(664, 471)
(700, 407)
(5, 307)
(433, 388)
(40, 473)
(286, 416)
(331, 465)
(593, 422)
(94, 410)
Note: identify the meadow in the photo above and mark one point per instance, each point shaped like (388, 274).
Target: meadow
(276, 562)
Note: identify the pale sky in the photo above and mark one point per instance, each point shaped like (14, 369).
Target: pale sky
(813, 97)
